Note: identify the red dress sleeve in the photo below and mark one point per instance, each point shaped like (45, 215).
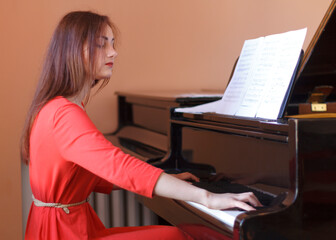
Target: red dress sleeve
(103, 186)
(80, 142)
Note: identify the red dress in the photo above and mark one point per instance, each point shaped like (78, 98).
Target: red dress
(70, 158)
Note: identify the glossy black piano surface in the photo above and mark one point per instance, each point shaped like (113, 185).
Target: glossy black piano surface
(301, 164)
(144, 119)
(293, 157)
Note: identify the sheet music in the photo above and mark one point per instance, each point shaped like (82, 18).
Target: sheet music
(282, 71)
(207, 107)
(241, 78)
(261, 77)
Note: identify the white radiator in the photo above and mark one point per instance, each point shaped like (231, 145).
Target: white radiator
(121, 209)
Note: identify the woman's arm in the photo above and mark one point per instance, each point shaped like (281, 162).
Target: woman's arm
(172, 187)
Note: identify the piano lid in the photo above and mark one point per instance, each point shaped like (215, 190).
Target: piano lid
(318, 69)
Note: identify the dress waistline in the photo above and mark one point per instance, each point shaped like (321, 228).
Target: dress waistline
(39, 203)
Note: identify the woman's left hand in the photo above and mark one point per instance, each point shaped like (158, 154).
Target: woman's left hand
(186, 176)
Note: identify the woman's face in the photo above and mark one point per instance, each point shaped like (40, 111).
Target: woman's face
(106, 54)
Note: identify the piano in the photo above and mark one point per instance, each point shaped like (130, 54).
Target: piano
(291, 161)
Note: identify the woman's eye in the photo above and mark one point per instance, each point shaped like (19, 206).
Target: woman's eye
(100, 44)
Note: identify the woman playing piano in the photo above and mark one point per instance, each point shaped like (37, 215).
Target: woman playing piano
(69, 158)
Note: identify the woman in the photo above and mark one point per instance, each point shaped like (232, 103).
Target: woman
(69, 158)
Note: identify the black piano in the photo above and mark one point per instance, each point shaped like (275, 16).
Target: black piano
(290, 163)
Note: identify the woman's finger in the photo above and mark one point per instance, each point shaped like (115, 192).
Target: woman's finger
(249, 197)
(243, 206)
(186, 176)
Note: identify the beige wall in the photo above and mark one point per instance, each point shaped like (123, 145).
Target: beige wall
(165, 44)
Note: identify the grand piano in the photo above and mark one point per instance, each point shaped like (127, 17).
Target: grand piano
(289, 162)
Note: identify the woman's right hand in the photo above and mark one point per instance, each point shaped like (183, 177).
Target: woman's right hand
(173, 187)
(245, 201)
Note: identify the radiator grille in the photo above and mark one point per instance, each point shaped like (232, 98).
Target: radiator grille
(121, 209)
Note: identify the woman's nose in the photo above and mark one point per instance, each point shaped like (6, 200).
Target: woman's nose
(111, 52)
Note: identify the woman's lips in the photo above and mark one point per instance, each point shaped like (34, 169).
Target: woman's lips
(110, 64)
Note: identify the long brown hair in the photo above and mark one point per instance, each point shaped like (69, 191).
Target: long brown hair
(64, 72)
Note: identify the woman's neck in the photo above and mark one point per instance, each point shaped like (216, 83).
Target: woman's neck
(81, 97)
(76, 101)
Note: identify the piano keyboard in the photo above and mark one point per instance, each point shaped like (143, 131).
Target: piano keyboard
(227, 217)
(265, 198)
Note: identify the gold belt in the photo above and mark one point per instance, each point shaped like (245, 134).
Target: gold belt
(39, 203)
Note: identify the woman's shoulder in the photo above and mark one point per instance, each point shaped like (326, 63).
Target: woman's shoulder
(61, 112)
(59, 103)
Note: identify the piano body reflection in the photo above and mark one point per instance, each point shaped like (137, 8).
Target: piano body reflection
(291, 160)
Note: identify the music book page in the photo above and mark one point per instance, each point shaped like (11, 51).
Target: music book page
(261, 78)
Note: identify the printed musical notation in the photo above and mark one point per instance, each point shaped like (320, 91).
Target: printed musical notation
(261, 78)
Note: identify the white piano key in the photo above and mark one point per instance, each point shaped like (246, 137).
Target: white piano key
(227, 217)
